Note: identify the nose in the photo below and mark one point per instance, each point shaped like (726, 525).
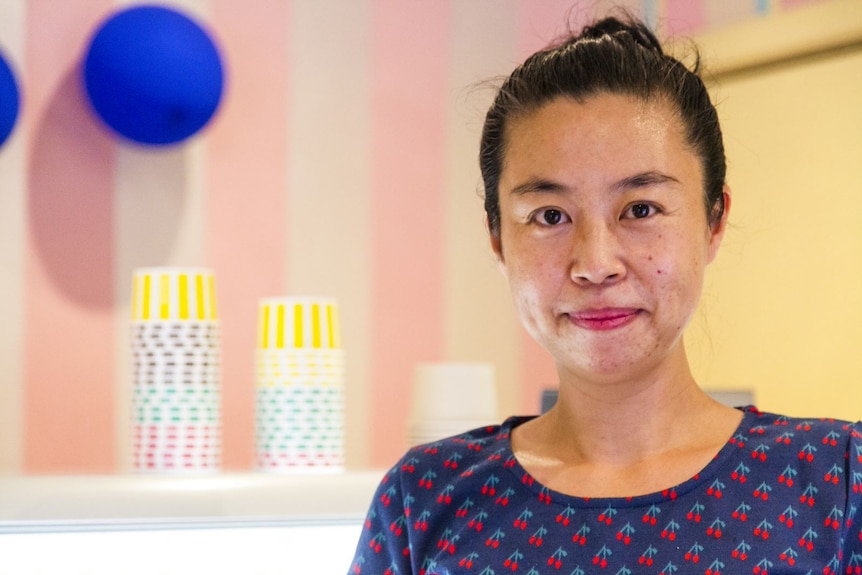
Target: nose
(596, 255)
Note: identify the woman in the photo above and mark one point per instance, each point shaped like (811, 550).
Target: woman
(604, 177)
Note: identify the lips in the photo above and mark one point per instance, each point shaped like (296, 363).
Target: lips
(604, 319)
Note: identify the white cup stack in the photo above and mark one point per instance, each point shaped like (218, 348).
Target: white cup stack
(176, 395)
(300, 386)
(450, 398)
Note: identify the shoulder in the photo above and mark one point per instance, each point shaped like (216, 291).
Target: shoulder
(785, 429)
(811, 442)
(453, 461)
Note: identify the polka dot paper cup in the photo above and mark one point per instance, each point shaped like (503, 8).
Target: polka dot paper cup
(176, 371)
(300, 386)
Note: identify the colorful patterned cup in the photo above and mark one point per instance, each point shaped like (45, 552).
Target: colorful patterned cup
(176, 395)
(300, 386)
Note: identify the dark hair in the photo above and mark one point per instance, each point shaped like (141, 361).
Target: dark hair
(610, 56)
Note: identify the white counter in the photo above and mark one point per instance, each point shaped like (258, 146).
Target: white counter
(225, 523)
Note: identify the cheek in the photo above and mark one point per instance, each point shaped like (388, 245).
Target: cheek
(656, 267)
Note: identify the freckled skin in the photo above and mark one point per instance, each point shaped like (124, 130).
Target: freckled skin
(603, 252)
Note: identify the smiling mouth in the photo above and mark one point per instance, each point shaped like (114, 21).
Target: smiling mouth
(604, 319)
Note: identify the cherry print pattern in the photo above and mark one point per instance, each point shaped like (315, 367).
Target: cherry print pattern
(783, 495)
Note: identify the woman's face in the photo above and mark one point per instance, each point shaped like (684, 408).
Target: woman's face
(604, 237)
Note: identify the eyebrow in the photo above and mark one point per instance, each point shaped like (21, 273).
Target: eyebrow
(536, 185)
(641, 180)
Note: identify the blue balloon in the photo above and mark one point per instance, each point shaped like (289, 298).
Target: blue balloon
(153, 75)
(9, 100)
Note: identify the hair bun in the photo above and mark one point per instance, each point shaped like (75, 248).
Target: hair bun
(613, 26)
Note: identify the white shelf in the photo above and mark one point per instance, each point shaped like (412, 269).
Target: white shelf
(255, 524)
(81, 502)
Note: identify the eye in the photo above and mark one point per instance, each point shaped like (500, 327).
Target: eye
(550, 217)
(640, 210)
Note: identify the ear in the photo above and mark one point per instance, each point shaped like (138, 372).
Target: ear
(496, 247)
(716, 228)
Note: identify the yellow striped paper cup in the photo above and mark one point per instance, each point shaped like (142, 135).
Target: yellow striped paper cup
(287, 323)
(173, 294)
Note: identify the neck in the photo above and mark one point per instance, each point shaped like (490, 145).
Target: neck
(648, 414)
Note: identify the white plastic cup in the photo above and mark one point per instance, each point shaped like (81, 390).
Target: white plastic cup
(449, 398)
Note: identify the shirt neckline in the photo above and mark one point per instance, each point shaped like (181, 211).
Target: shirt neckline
(708, 472)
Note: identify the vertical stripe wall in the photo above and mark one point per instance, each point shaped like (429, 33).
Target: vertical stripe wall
(68, 301)
(12, 237)
(246, 201)
(409, 47)
(342, 163)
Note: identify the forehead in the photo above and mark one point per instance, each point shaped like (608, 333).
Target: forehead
(597, 115)
(600, 132)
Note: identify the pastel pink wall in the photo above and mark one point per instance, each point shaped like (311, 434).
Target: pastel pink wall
(341, 163)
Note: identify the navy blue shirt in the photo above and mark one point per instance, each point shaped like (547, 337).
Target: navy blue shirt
(782, 496)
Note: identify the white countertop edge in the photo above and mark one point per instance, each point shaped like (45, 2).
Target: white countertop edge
(181, 501)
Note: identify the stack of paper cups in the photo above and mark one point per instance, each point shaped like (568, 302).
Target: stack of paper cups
(300, 386)
(449, 399)
(176, 407)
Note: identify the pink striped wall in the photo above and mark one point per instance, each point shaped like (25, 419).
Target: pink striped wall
(246, 200)
(68, 395)
(342, 162)
(406, 201)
